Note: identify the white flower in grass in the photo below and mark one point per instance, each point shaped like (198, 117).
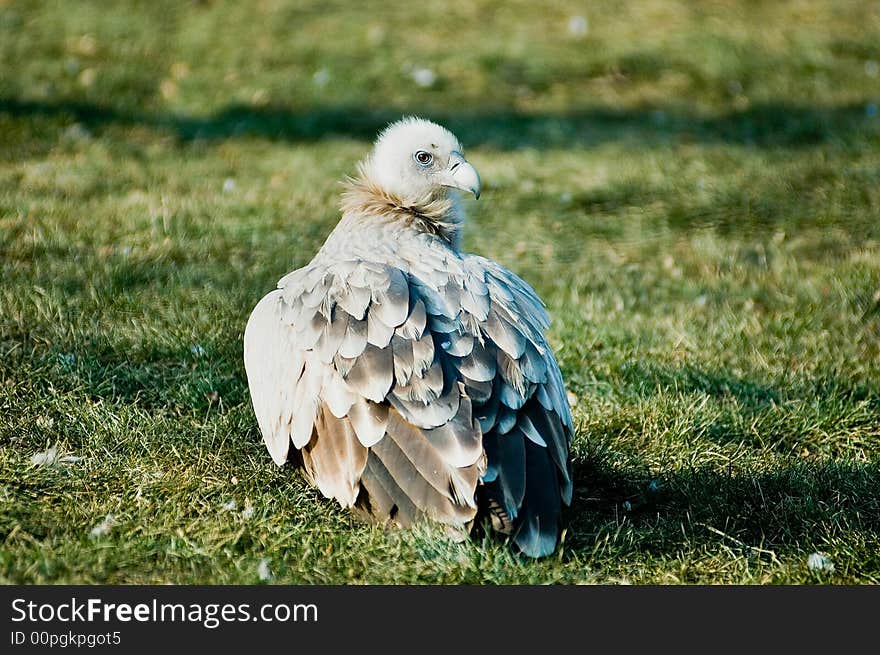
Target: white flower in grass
(228, 185)
(424, 77)
(50, 456)
(103, 527)
(578, 26)
(263, 570)
(321, 77)
(820, 562)
(229, 506)
(46, 457)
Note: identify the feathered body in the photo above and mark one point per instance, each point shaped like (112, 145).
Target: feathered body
(413, 380)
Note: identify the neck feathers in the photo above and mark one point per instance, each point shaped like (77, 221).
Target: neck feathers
(434, 213)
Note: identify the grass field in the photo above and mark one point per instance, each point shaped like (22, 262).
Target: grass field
(693, 188)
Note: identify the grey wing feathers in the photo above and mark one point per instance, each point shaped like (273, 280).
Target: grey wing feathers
(378, 421)
(406, 391)
(527, 424)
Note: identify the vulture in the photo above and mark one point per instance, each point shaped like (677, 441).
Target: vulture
(409, 380)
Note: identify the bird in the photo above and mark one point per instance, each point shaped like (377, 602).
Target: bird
(408, 380)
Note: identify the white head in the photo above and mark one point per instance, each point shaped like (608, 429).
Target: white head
(415, 158)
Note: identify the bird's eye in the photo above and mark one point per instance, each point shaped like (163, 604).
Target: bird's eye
(423, 158)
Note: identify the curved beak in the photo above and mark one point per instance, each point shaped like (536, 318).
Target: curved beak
(461, 175)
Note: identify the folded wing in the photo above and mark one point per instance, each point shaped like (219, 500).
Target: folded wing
(407, 387)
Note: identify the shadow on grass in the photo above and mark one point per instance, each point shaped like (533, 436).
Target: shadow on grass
(764, 125)
(806, 504)
(752, 508)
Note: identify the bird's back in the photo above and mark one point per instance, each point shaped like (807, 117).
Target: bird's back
(413, 380)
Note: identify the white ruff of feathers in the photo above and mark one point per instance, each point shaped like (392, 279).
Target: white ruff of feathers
(366, 202)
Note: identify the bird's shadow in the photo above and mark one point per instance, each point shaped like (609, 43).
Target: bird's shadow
(754, 508)
(796, 505)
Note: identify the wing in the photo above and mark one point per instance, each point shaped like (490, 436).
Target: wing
(341, 364)
(525, 417)
(274, 366)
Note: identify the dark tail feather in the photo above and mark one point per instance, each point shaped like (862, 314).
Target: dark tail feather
(539, 518)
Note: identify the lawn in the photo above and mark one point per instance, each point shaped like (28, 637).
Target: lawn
(692, 188)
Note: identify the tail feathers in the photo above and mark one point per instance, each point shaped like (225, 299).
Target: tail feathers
(539, 522)
(535, 527)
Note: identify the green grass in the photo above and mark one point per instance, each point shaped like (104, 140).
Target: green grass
(692, 188)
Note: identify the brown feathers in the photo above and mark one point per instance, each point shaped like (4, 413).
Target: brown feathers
(433, 213)
(334, 459)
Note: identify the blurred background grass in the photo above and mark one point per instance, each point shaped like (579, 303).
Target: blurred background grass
(691, 187)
